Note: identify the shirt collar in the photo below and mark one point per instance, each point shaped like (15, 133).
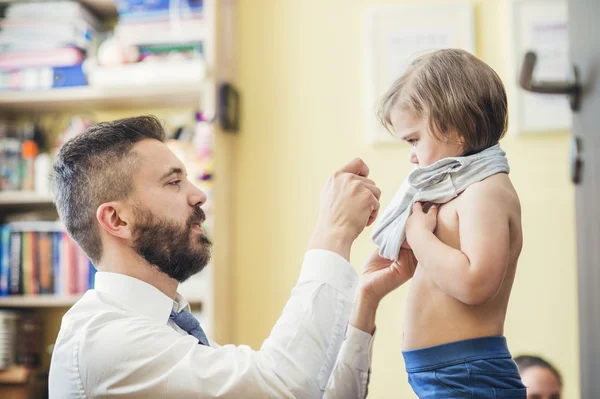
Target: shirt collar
(180, 304)
(139, 295)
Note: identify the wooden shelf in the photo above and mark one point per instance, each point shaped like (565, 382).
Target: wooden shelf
(91, 98)
(56, 301)
(37, 301)
(11, 198)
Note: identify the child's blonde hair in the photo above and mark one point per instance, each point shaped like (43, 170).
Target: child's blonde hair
(454, 91)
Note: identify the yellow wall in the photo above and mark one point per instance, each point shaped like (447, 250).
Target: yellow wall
(301, 77)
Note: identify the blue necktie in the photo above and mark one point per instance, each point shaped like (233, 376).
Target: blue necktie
(188, 323)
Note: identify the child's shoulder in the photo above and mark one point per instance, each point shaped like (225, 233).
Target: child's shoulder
(496, 190)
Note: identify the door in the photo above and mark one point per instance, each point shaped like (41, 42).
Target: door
(584, 92)
(584, 42)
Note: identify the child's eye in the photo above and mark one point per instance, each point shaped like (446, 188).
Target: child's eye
(412, 141)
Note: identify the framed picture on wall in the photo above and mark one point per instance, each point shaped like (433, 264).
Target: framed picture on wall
(396, 34)
(541, 26)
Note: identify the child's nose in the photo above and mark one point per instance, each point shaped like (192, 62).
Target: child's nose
(413, 158)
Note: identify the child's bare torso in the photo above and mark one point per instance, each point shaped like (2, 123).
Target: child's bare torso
(433, 317)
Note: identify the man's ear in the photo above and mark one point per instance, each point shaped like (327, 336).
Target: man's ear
(114, 219)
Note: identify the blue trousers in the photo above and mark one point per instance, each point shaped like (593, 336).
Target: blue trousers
(480, 368)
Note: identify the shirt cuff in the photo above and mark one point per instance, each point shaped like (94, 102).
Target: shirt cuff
(357, 349)
(330, 268)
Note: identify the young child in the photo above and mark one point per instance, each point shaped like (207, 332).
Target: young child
(451, 108)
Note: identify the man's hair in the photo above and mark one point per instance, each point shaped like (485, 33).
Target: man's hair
(97, 167)
(526, 361)
(454, 91)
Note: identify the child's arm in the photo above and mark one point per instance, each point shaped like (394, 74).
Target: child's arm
(474, 273)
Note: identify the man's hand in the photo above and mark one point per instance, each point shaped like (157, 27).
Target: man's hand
(379, 277)
(420, 222)
(349, 202)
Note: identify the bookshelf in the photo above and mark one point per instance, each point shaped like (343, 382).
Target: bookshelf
(208, 291)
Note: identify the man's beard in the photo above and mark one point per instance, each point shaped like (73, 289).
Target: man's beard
(177, 251)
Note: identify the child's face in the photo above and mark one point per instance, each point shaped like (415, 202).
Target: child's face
(425, 149)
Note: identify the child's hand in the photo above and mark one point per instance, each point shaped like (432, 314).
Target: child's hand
(420, 221)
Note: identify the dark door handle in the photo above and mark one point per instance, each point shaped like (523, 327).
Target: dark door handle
(575, 159)
(571, 88)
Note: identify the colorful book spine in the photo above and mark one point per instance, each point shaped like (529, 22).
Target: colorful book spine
(5, 238)
(43, 78)
(53, 58)
(42, 259)
(57, 270)
(16, 285)
(129, 7)
(83, 271)
(45, 262)
(27, 263)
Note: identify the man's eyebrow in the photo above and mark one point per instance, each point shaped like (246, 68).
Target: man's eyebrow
(172, 171)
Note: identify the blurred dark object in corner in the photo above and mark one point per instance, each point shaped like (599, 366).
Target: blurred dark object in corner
(19, 382)
(20, 357)
(29, 351)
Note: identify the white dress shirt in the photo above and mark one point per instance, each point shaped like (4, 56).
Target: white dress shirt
(118, 341)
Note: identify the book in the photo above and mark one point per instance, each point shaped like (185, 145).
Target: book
(162, 32)
(56, 269)
(66, 56)
(42, 259)
(50, 10)
(126, 7)
(5, 239)
(43, 78)
(33, 36)
(44, 256)
(27, 263)
(16, 285)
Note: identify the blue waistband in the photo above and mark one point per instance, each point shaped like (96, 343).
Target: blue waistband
(452, 353)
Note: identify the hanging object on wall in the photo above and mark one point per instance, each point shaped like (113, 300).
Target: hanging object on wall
(397, 34)
(229, 108)
(540, 27)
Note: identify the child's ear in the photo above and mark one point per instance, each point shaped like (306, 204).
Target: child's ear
(114, 219)
(457, 138)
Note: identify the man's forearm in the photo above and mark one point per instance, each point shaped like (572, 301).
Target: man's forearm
(363, 313)
(334, 241)
(350, 376)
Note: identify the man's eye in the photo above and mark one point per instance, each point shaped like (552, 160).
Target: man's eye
(175, 182)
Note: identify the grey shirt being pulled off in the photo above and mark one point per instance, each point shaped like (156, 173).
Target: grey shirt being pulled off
(438, 183)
